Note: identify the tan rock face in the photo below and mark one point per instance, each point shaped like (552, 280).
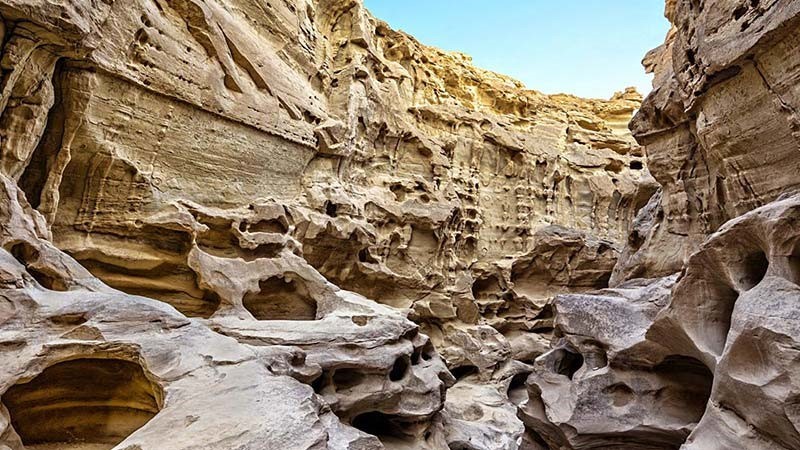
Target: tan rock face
(243, 162)
(721, 126)
(190, 125)
(284, 225)
(86, 365)
(694, 346)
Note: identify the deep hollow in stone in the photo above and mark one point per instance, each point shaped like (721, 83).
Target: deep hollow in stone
(27, 255)
(688, 386)
(82, 404)
(384, 426)
(723, 299)
(281, 298)
(174, 284)
(464, 371)
(755, 267)
(399, 369)
(517, 388)
(346, 378)
(567, 362)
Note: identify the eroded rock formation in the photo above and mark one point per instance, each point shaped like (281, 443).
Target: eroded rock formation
(244, 162)
(707, 283)
(284, 225)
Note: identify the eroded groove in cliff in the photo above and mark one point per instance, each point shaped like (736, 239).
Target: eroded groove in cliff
(34, 177)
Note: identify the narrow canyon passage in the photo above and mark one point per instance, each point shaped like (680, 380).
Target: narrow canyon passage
(286, 225)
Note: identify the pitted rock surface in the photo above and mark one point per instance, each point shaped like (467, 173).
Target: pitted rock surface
(248, 224)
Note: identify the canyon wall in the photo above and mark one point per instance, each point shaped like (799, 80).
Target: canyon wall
(708, 281)
(280, 224)
(339, 215)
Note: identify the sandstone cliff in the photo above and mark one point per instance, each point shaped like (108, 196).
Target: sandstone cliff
(705, 358)
(284, 225)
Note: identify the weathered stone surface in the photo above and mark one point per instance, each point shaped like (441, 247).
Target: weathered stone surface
(605, 384)
(721, 125)
(186, 129)
(284, 225)
(745, 277)
(694, 347)
(202, 388)
(238, 206)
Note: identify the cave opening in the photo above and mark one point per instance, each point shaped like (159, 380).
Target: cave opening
(281, 298)
(28, 256)
(82, 404)
(464, 371)
(399, 369)
(331, 208)
(688, 384)
(171, 283)
(347, 378)
(486, 287)
(34, 178)
(517, 388)
(383, 426)
(566, 362)
(755, 266)
(718, 319)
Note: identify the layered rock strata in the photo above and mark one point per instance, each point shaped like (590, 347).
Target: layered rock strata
(707, 283)
(246, 203)
(284, 225)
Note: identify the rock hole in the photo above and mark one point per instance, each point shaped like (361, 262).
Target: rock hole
(70, 319)
(793, 265)
(637, 165)
(722, 300)
(399, 191)
(464, 371)
(547, 312)
(322, 382)
(567, 362)
(345, 378)
(595, 355)
(361, 321)
(281, 298)
(83, 403)
(365, 256)
(267, 226)
(615, 166)
(690, 56)
(486, 287)
(221, 242)
(517, 388)
(379, 424)
(330, 208)
(424, 352)
(427, 351)
(460, 446)
(687, 388)
(399, 369)
(34, 178)
(755, 266)
(174, 284)
(28, 256)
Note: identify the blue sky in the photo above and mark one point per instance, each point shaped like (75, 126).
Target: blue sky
(590, 48)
